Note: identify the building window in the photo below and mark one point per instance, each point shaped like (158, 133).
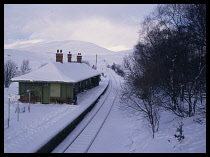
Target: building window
(45, 84)
(55, 90)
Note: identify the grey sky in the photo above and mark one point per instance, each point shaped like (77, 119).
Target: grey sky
(113, 26)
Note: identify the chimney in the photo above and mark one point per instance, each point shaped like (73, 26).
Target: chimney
(69, 56)
(79, 58)
(59, 56)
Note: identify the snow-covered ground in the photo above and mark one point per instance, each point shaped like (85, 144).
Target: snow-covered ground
(35, 128)
(121, 133)
(124, 133)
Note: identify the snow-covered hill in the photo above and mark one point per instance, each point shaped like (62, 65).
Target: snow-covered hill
(44, 52)
(74, 46)
(35, 59)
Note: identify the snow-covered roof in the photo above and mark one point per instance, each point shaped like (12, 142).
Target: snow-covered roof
(59, 72)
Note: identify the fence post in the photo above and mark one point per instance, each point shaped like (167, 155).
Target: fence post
(9, 112)
(29, 93)
(29, 100)
(18, 111)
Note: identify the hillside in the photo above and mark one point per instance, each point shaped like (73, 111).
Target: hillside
(35, 59)
(44, 52)
(74, 46)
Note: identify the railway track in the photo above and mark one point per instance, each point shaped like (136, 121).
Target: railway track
(83, 136)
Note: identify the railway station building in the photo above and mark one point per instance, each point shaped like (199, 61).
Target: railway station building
(57, 82)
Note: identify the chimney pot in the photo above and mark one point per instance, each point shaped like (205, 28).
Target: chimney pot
(59, 57)
(69, 57)
(60, 51)
(79, 58)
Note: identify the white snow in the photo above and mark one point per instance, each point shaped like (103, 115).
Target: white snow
(60, 72)
(121, 133)
(124, 133)
(75, 46)
(43, 121)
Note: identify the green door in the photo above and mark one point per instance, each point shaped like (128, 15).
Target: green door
(45, 95)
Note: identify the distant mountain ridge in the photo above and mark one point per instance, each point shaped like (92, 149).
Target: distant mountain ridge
(44, 52)
(74, 46)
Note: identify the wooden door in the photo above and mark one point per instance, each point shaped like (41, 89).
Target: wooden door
(45, 95)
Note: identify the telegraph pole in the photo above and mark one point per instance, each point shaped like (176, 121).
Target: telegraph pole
(96, 61)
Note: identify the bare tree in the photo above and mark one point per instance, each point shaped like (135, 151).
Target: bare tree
(25, 67)
(9, 72)
(142, 103)
(168, 65)
(139, 95)
(176, 35)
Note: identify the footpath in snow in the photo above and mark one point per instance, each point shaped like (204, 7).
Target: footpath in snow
(44, 121)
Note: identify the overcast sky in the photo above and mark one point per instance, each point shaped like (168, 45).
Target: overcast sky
(112, 26)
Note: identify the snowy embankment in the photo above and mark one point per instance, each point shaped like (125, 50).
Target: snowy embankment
(36, 128)
(126, 133)
(164, 141)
